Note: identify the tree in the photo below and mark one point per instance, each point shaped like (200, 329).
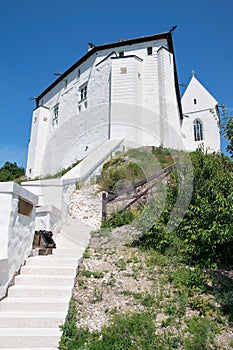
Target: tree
(227, 128)
(11, 171)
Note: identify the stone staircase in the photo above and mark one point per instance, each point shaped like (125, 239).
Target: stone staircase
(37, 303)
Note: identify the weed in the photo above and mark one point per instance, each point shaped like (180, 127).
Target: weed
(171, 310)
(188, 280)
(148, 300)
(201, 333)
(82, 284)
(118, 219)
(86, 254)
(111, 282)
(97, 297)
(202, 305)
(121, 264)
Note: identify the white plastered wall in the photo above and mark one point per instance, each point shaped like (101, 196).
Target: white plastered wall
(170, 134)
(17, 230)
(198, 103)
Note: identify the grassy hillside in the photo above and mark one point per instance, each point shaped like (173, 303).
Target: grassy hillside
(172, 288)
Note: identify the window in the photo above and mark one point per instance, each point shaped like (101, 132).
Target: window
(195, 101)
(198, 130)
(83, 92)
(121, 54)
(79, 73)
(149, 51)
(123, 70)
(55, 115)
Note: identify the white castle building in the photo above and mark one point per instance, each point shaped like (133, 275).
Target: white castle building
(125, 90)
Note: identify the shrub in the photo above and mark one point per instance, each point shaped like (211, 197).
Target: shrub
(206, 228)
(205, 236)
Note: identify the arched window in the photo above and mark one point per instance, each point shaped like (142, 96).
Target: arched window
(198, 130)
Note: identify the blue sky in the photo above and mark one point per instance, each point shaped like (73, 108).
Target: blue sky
(39, 38)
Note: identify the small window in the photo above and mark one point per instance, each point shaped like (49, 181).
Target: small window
(195, 101)
(198, 130)
(79, 108)
(85, 104)
(79, 73)
(149, 51)
(83, 92)
(123, 70)
(121, 54)
(55, 115)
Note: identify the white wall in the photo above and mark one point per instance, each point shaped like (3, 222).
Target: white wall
(48, 218)
(204, 109)
(38, 140)
(17, 230)
(170, 132)
(84, 125)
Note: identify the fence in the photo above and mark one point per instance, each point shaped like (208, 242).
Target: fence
(108, 198)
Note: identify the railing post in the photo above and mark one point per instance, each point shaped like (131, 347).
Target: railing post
(104, 207)
(177, 166)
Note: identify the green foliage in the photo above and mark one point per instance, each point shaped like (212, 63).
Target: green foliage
(126, 332)
(11, 171)
(133, 166)
(113, 176)
(95, 274)
(159, 237)
(188, 279)
(224, 293)
(227, 128)
(118, 219)
(202, 305)
(205, 236)
(206, 229)
(202, 332)
(71, 338)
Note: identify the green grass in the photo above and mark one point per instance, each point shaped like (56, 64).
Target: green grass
(134, 165)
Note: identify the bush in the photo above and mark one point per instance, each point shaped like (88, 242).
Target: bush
(206, 229)
(205, 236)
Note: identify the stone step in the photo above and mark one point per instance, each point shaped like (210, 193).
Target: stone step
(31, 348)
(34, 304)
(48, 270)
(51, 260)
(29, 337)
(49, 280)
(22, 291)
(38, 319)
(72, 253)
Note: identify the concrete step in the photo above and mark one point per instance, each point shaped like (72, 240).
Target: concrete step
(72, 253)
(49, 280)
(22, 291)
(53, 348)
(36, 319)
(34, 304)
(29, 337)
(51, 260)
(47, 270)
